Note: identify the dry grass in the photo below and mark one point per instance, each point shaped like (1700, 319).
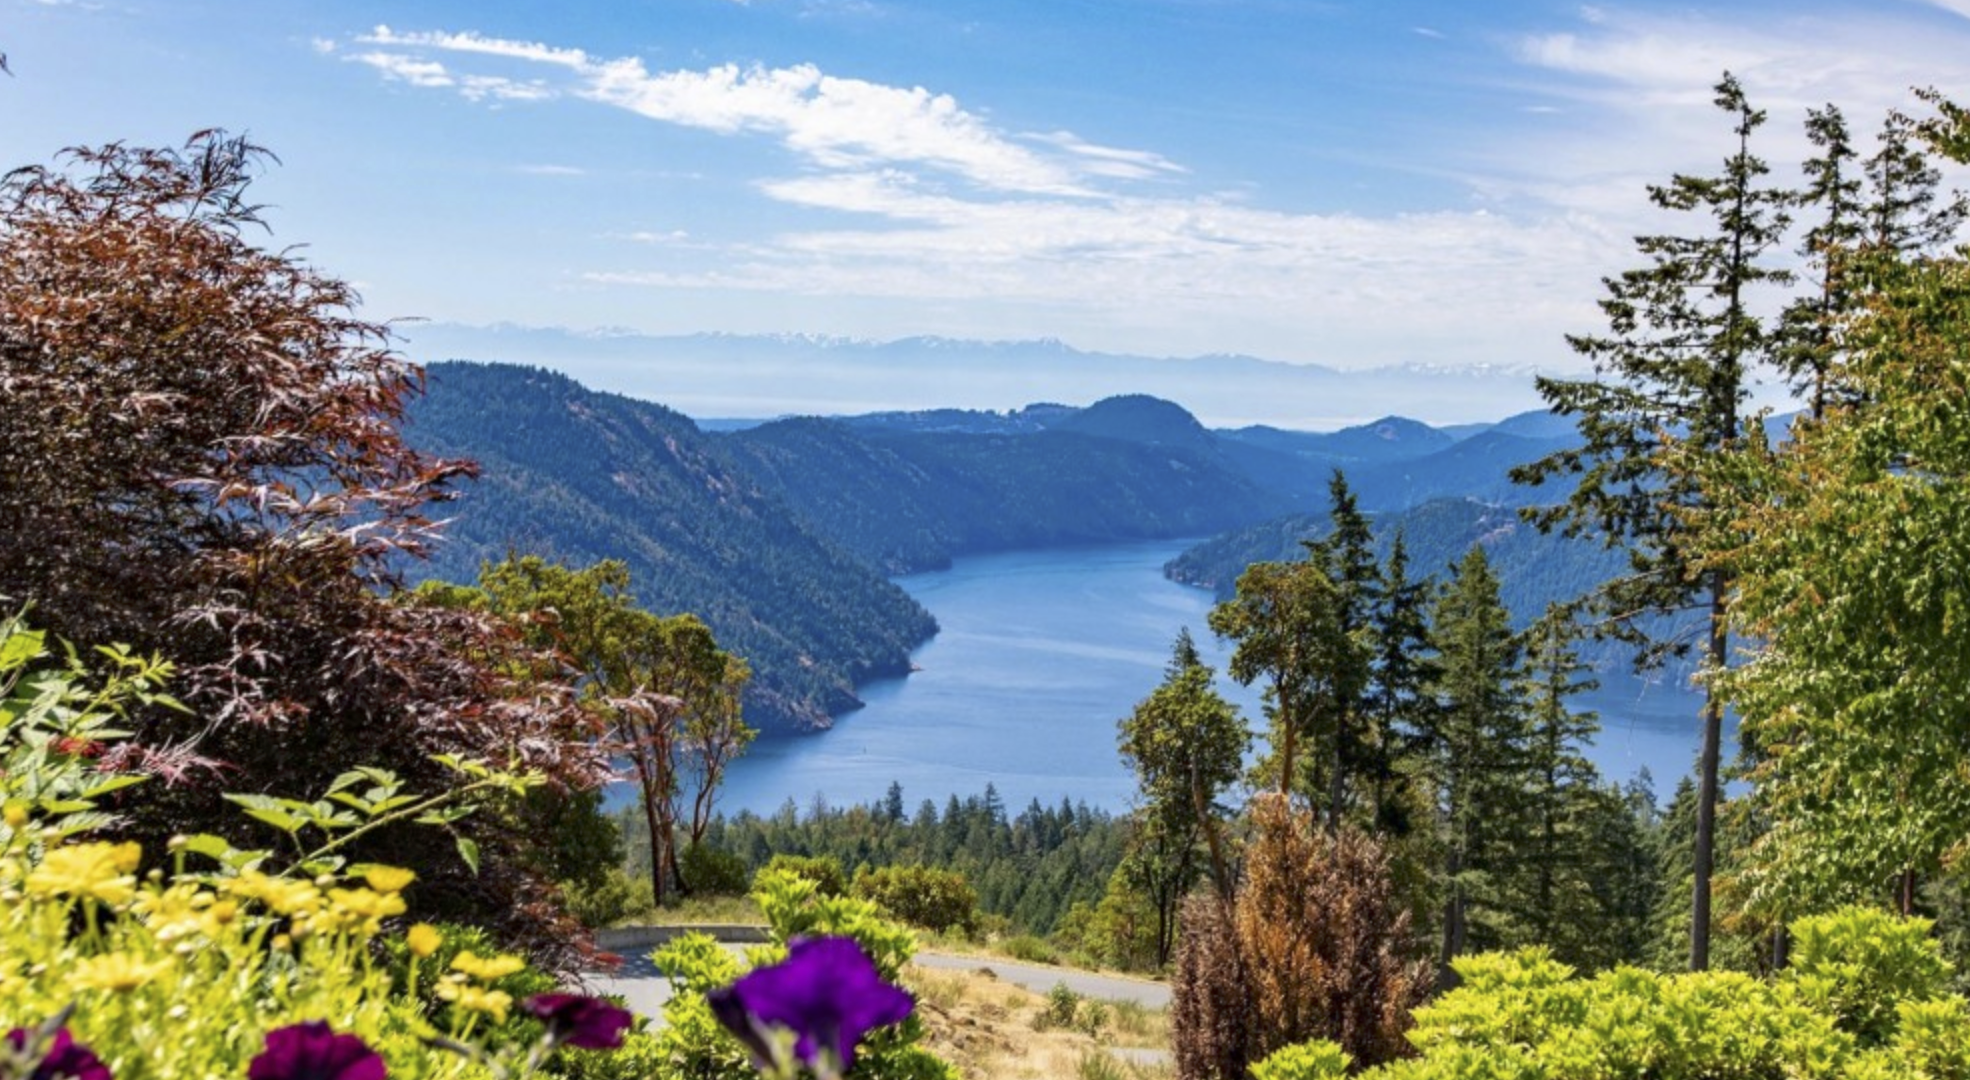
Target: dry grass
(992, 1030)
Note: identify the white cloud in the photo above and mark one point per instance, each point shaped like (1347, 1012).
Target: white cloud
(831, 121)
(549, 170)
(926, 206)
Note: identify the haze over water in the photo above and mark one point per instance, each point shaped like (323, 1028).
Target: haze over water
(1041, 652)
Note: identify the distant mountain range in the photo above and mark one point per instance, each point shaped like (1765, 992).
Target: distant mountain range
(780, 534)
(773, 375)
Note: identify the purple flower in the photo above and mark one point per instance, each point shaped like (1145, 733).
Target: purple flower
(310, 1051)
(574, 1020)
(64, 1058)
(826, 992)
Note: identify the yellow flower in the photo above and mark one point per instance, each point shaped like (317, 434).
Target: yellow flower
(475, 999)
(116, 972)
(486, 969)
(389, 879)
(15, 815)
(280, 895)
(363, 902)
(99, 871)
(423, 939)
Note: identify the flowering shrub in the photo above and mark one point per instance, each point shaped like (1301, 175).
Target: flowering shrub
(227, 970)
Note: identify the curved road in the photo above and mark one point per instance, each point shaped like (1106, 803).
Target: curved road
(645, 988)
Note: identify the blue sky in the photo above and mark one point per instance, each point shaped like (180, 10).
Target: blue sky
(1351, 184)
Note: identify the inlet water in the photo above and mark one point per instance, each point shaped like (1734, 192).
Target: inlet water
(1041, 653)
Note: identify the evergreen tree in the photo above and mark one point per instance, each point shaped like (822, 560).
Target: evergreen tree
(1684, 337)
(1397, 699)
(1477, 751)
(1556, 900)
(1347, 554)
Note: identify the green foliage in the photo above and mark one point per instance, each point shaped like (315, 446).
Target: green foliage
(1029, 868)
(1873, 1004)
(925, 896)
(614, 898)
(57, 720)
(696, 534)
(694, 1045)
(1317, 1060)
(1847, 546)
(712, 872)
(1861, 965)
(1186, 745)
(823, 870)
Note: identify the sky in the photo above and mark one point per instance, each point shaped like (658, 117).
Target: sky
(1351, 184)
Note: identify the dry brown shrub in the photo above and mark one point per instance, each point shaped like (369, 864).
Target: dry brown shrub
(1316, 946)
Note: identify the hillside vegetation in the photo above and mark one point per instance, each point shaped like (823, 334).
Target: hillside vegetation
(582, 476)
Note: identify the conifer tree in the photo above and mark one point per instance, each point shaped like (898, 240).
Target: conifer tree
(1398, 701)
(1684, 336)
(1476, 746)
(1557, 904)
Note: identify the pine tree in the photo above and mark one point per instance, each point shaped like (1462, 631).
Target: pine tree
(1674, 369)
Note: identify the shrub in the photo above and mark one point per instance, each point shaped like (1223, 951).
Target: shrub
(1313, 946)
(1870, 1002)
(1319, 1060)
(695, 1045)
(823, 870)
(1030, 949)
(921, 896)
(615, 898)
(710, 872)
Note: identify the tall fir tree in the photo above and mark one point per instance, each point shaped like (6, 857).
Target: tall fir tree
(1477, 752)
(1684, 338)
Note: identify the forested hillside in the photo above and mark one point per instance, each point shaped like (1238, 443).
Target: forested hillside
(908, 498)
(581, 476)
(1533, 569)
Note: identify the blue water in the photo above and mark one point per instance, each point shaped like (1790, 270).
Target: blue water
(1040, 654)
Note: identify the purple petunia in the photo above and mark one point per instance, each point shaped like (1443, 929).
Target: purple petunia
(65, 1058)
(827, 993)
(310, 1051)
(584, 1022)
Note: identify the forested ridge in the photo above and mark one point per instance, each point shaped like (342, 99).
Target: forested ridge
(910, 501)
(582, 476)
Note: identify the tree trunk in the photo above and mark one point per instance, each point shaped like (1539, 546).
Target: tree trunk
(1706, 791)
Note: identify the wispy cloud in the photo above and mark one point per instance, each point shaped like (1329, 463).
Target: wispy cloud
(831, 121)
(921, 199)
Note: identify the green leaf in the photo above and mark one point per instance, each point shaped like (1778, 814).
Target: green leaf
(469, 851)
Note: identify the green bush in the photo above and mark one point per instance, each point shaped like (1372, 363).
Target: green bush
(615, 898)
(1867, 999)
(923, 896)
(693, 1044)
(1030, 949)
(710, 872)
(1320, 1060)
(823, 870)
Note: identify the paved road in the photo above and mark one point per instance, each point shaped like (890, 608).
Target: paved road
(645, 989)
